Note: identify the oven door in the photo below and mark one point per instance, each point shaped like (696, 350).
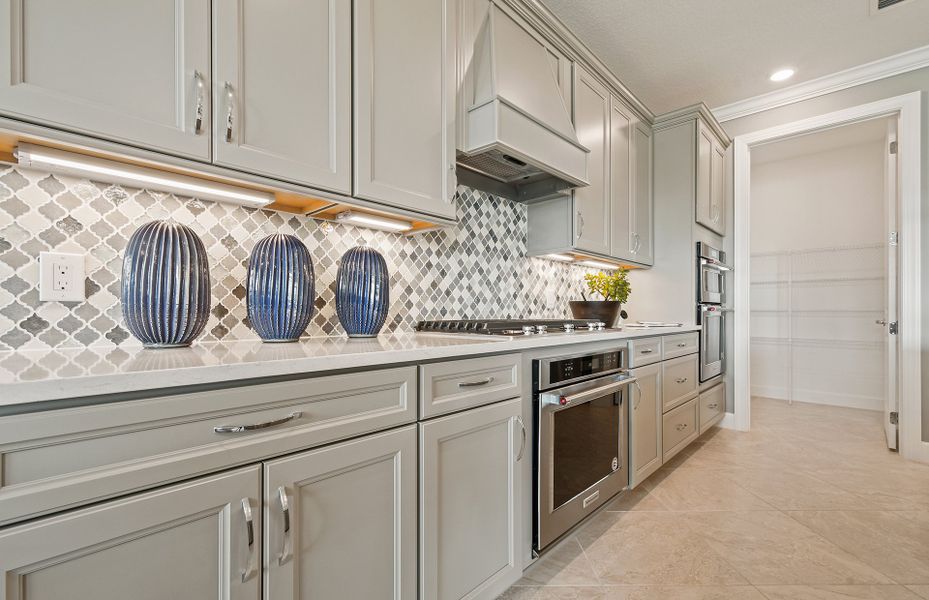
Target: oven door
(712, 333)
(582, 460)
(712, 284)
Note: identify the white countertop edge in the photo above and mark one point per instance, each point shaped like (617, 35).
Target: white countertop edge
(64, 388)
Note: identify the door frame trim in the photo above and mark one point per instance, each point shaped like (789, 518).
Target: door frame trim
(907, 108)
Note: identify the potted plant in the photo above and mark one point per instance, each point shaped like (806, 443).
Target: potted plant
(613, 287)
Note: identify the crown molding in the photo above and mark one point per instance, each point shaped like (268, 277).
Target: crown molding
(689, 113)
(872, 71)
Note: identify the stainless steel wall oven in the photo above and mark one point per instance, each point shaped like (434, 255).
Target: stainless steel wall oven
(581, 455)
(711, 296)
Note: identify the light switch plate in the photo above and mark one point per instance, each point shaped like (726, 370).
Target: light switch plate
(61, 277)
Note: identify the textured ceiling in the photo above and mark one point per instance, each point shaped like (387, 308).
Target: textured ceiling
(672, 53)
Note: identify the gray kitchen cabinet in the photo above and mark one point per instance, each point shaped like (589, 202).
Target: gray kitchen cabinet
(592, 203)
(622, 186)
(199, 539)
(404, 104)
(341, 520)
(710, 175)
(92, 67)
(282, 89)
(469, 501)
(641, 222)
(645, 424)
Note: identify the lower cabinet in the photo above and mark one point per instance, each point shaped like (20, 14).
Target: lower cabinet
(341, 520)
(645, 449)
(198, 539)
(679, 428)
(469, 494)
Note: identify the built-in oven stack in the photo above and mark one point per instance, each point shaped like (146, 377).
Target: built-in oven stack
(580, 437)
(711, 316)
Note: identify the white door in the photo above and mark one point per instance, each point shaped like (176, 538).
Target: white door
(891, 203)
(198, 539)
(133, 71)
(470, 496)
(404, 97)
(282, 89)
(341, 520)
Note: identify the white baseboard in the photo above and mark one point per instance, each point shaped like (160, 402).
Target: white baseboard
(819, 397)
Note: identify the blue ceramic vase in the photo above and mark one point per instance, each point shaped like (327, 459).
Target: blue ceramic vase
(362, 294)
(165, 291)
(281, 288)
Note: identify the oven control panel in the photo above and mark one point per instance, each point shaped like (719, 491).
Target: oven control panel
(571, 369)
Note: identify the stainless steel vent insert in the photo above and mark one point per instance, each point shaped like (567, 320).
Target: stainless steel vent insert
(500, 166)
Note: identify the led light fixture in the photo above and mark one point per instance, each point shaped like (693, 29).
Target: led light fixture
(372, 221)
(558, 257)
(111, 171)
(596, 264)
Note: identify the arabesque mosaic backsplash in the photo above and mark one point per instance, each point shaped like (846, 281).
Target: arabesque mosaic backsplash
(476, 269)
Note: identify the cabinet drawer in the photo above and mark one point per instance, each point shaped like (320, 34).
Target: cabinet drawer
(679, 381)
(673, 346)
(459, 384)
(712, 406)
(62, 458)
(644, 352)
(679, 428)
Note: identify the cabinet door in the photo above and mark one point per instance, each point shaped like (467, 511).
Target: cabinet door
(131, 71)
(282, 89)
(622, 124)
(592, 203)
(184, 541)
(704, 173)
(404, 100)
(718, 189)
(469, 498)
(341, 521)
(645, 424)
(643, 242)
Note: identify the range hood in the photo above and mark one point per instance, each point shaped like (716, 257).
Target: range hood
(519, 140)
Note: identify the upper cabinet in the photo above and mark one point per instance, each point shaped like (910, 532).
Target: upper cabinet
(710, 184)
(404, 77)
(592, 203)
(93, 68)
(641, 222)
(282, 90)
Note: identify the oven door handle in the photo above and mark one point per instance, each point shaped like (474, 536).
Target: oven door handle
(566, 401)
(711, 264)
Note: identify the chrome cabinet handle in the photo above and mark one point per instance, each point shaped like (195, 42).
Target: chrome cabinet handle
(714, 405)
(681, 380)
(257, 426)
(682, 345)
(522, 443)
(646, 351)
(198, 110)
(580, 224)
(230, 108)
(881, 322)
(475, 383)
(682, 427)
(637, 243)
(638, 398)
(285, 536)
(249, 569)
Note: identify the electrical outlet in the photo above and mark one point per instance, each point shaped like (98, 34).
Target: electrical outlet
(61, 277)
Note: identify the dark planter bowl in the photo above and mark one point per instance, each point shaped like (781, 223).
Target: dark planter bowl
(604, 310)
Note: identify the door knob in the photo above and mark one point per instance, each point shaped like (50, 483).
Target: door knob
(881, 322)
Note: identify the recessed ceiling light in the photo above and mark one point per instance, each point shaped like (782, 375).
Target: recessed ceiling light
(782, 75)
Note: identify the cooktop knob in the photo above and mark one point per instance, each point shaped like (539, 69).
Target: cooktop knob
(568, 327)
(528, 329)
(541, 328)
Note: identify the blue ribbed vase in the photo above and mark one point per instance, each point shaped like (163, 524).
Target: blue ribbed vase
(281, 288)
(362, 294)
(165, 292)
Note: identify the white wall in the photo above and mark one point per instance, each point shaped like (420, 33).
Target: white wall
(817, 277)
(904, 83)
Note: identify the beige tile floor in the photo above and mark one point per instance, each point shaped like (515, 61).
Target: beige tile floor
(808, 505)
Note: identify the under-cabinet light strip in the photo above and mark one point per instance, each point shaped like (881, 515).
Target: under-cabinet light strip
(365, 220)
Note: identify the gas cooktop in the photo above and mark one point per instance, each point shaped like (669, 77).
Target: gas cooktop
(511, 326)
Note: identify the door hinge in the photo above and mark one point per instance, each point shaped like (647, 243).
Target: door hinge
(893, 238)
(893, 147)
(892, 328)
(894, 417)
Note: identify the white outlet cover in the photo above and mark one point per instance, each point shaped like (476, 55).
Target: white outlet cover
(61, 277)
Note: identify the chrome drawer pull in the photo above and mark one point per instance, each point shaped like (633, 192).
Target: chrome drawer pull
(285, 537)
(714, 405)
(681, 380)
(682, 345)
(646, 351)
(257, 426)
(682, 427)
(522, 444)
(250, 532)
(475, 383)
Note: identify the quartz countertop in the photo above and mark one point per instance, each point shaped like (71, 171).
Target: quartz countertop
(42, 375)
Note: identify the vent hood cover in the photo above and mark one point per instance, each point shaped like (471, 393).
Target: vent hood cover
(518, 133)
